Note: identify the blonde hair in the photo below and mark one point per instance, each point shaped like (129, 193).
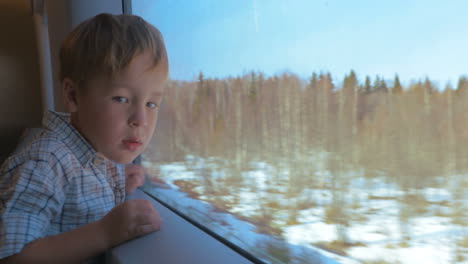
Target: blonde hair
(106, 44)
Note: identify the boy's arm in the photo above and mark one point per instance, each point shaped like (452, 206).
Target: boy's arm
(126, 221)
(74, 246)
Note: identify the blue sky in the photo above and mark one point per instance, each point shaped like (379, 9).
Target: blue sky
(414, 38)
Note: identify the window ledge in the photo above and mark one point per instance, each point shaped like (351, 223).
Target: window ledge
(178, 241)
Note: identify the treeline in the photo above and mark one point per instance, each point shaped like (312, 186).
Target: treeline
(417, 131)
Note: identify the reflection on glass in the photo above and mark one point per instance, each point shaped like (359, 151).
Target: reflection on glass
(303, 168)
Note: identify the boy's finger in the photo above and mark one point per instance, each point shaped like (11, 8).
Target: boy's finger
(141, 180)
(134, 168)
(156, 221)
(149, 218)
(143, 205)
(136, 179)
(145, 229)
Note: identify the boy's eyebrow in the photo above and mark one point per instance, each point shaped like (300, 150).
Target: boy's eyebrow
(118, 84)
(157, 93)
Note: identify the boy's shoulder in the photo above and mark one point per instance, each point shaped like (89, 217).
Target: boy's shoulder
(38, 144)
(39, 157)
(38, 141)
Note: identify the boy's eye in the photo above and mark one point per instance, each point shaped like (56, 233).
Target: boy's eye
(120, 99)
(151, 105)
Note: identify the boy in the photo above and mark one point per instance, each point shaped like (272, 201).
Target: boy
(62, 195)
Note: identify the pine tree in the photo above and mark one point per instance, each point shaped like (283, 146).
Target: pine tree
(428, 91)
(397, 88)
(350, 83)
(201, 80)
(313, 82)
(367, 85)
(462, 86)
(380, 85)
(253, 90)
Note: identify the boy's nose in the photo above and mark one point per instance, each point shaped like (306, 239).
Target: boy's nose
(138, 118)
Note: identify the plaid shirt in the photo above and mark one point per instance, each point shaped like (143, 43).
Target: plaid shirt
(54, 183)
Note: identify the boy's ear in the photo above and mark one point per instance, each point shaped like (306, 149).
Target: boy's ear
(70, 95)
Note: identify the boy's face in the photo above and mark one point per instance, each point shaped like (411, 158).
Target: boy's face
(118, 115)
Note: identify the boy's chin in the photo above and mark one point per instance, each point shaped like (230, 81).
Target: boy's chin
(125, 159)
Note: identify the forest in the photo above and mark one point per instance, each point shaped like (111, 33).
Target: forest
(325, 135)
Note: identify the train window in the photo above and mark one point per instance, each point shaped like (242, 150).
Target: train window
(317, 129)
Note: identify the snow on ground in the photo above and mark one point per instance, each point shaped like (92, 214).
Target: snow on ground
(423, 254)
(240, 232)
(431, 241)
(310, 233)
(248, 203)
(437, 195)
(378, 233)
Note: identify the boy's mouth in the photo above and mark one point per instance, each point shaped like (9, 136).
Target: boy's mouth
(132, 144)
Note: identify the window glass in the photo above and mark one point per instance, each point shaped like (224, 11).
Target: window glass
(317, 130)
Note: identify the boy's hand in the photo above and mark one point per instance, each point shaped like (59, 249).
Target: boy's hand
(134, 177)
(129, 220)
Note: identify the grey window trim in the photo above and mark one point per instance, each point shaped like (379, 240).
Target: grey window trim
(127, 6)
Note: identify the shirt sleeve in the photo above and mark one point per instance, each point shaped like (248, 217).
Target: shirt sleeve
(31, 195)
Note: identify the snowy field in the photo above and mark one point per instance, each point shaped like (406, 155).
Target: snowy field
(375, 235)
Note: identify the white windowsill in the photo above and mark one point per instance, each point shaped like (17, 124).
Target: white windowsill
(177, 242)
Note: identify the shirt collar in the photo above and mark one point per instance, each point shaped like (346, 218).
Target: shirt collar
(59, 123)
